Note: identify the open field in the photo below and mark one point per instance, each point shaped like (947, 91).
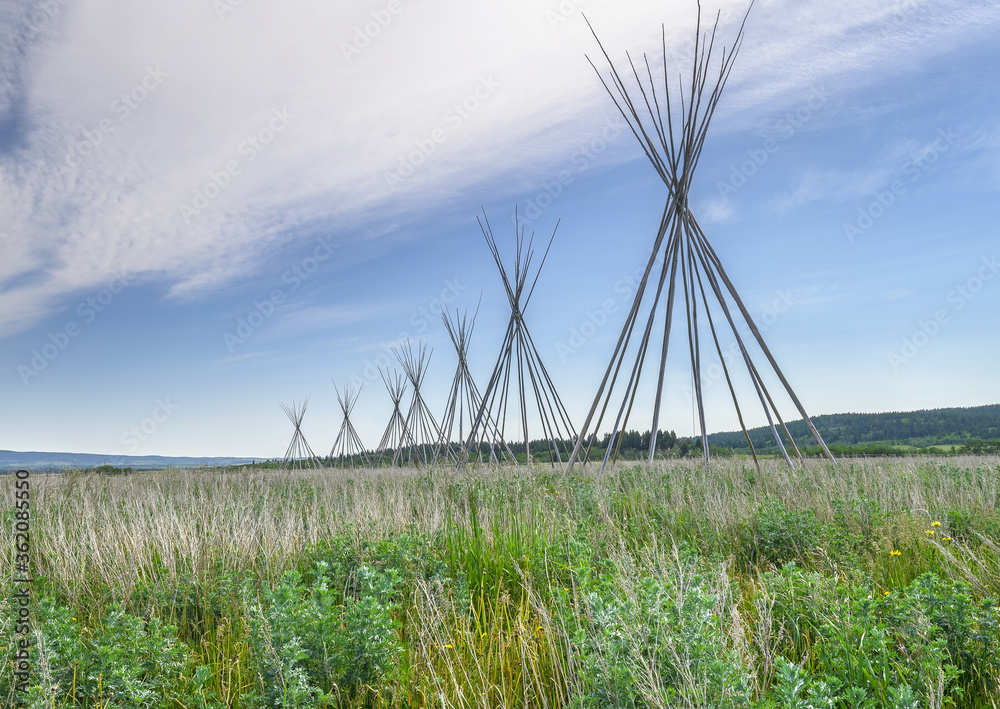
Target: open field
(867, 585)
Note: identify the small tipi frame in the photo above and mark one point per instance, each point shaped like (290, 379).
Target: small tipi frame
(519, 363)
(348, 448)
(672, 133)
(424, 430)
(299, 455)
(397, 436)
(464, 399)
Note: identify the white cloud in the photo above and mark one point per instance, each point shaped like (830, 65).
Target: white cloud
(714, 210)
(815, 185)
(129, 108)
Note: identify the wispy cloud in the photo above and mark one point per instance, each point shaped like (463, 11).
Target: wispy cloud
(183, 147)
(816, 185)
(715, 210)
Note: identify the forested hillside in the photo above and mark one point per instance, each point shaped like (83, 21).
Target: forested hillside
(970, 430)
(929, 427)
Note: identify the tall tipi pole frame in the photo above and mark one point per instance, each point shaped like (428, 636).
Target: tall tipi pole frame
(348, 445)
(298, 455)
(519, 363)
(672, 134)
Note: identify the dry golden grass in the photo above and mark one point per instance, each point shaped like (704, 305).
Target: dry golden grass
(120, 530)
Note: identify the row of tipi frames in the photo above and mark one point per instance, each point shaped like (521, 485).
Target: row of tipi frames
(671, 125)
(519, 385)
(469, 429)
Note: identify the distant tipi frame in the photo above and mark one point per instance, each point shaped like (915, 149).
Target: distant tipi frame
(397, 438)
(299, 455)
(348, 450)
(464, 401)
(672, 133)
(519, 364)
(420, 422)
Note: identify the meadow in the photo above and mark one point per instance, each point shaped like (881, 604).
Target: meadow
(868, 584)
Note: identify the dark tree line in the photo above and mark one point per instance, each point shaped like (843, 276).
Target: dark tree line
(954, 426)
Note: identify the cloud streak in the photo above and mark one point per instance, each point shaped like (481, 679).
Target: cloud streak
(115, 116)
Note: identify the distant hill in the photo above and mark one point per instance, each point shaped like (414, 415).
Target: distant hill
(927, 427)
(38, 461)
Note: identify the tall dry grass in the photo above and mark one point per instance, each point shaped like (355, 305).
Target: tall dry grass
(113, 532)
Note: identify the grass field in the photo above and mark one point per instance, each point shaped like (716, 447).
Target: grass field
(870, 584)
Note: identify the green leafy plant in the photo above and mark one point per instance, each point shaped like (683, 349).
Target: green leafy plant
(779, 535)
(313, 640)
(124, 661)
(795, 688)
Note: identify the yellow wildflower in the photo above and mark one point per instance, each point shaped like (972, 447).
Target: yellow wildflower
(935, 524)
(895, 552)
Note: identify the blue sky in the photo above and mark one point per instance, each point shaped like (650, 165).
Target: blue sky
(167, 172)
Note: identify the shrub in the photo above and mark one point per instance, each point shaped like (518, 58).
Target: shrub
(780, 535)
(969, 630)
(125, 661)
(659, 639)
(311, 640)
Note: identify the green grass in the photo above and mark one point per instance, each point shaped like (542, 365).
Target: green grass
(868, 584)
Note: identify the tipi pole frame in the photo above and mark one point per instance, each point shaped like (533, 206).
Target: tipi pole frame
(519, 350)
(687, 248)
